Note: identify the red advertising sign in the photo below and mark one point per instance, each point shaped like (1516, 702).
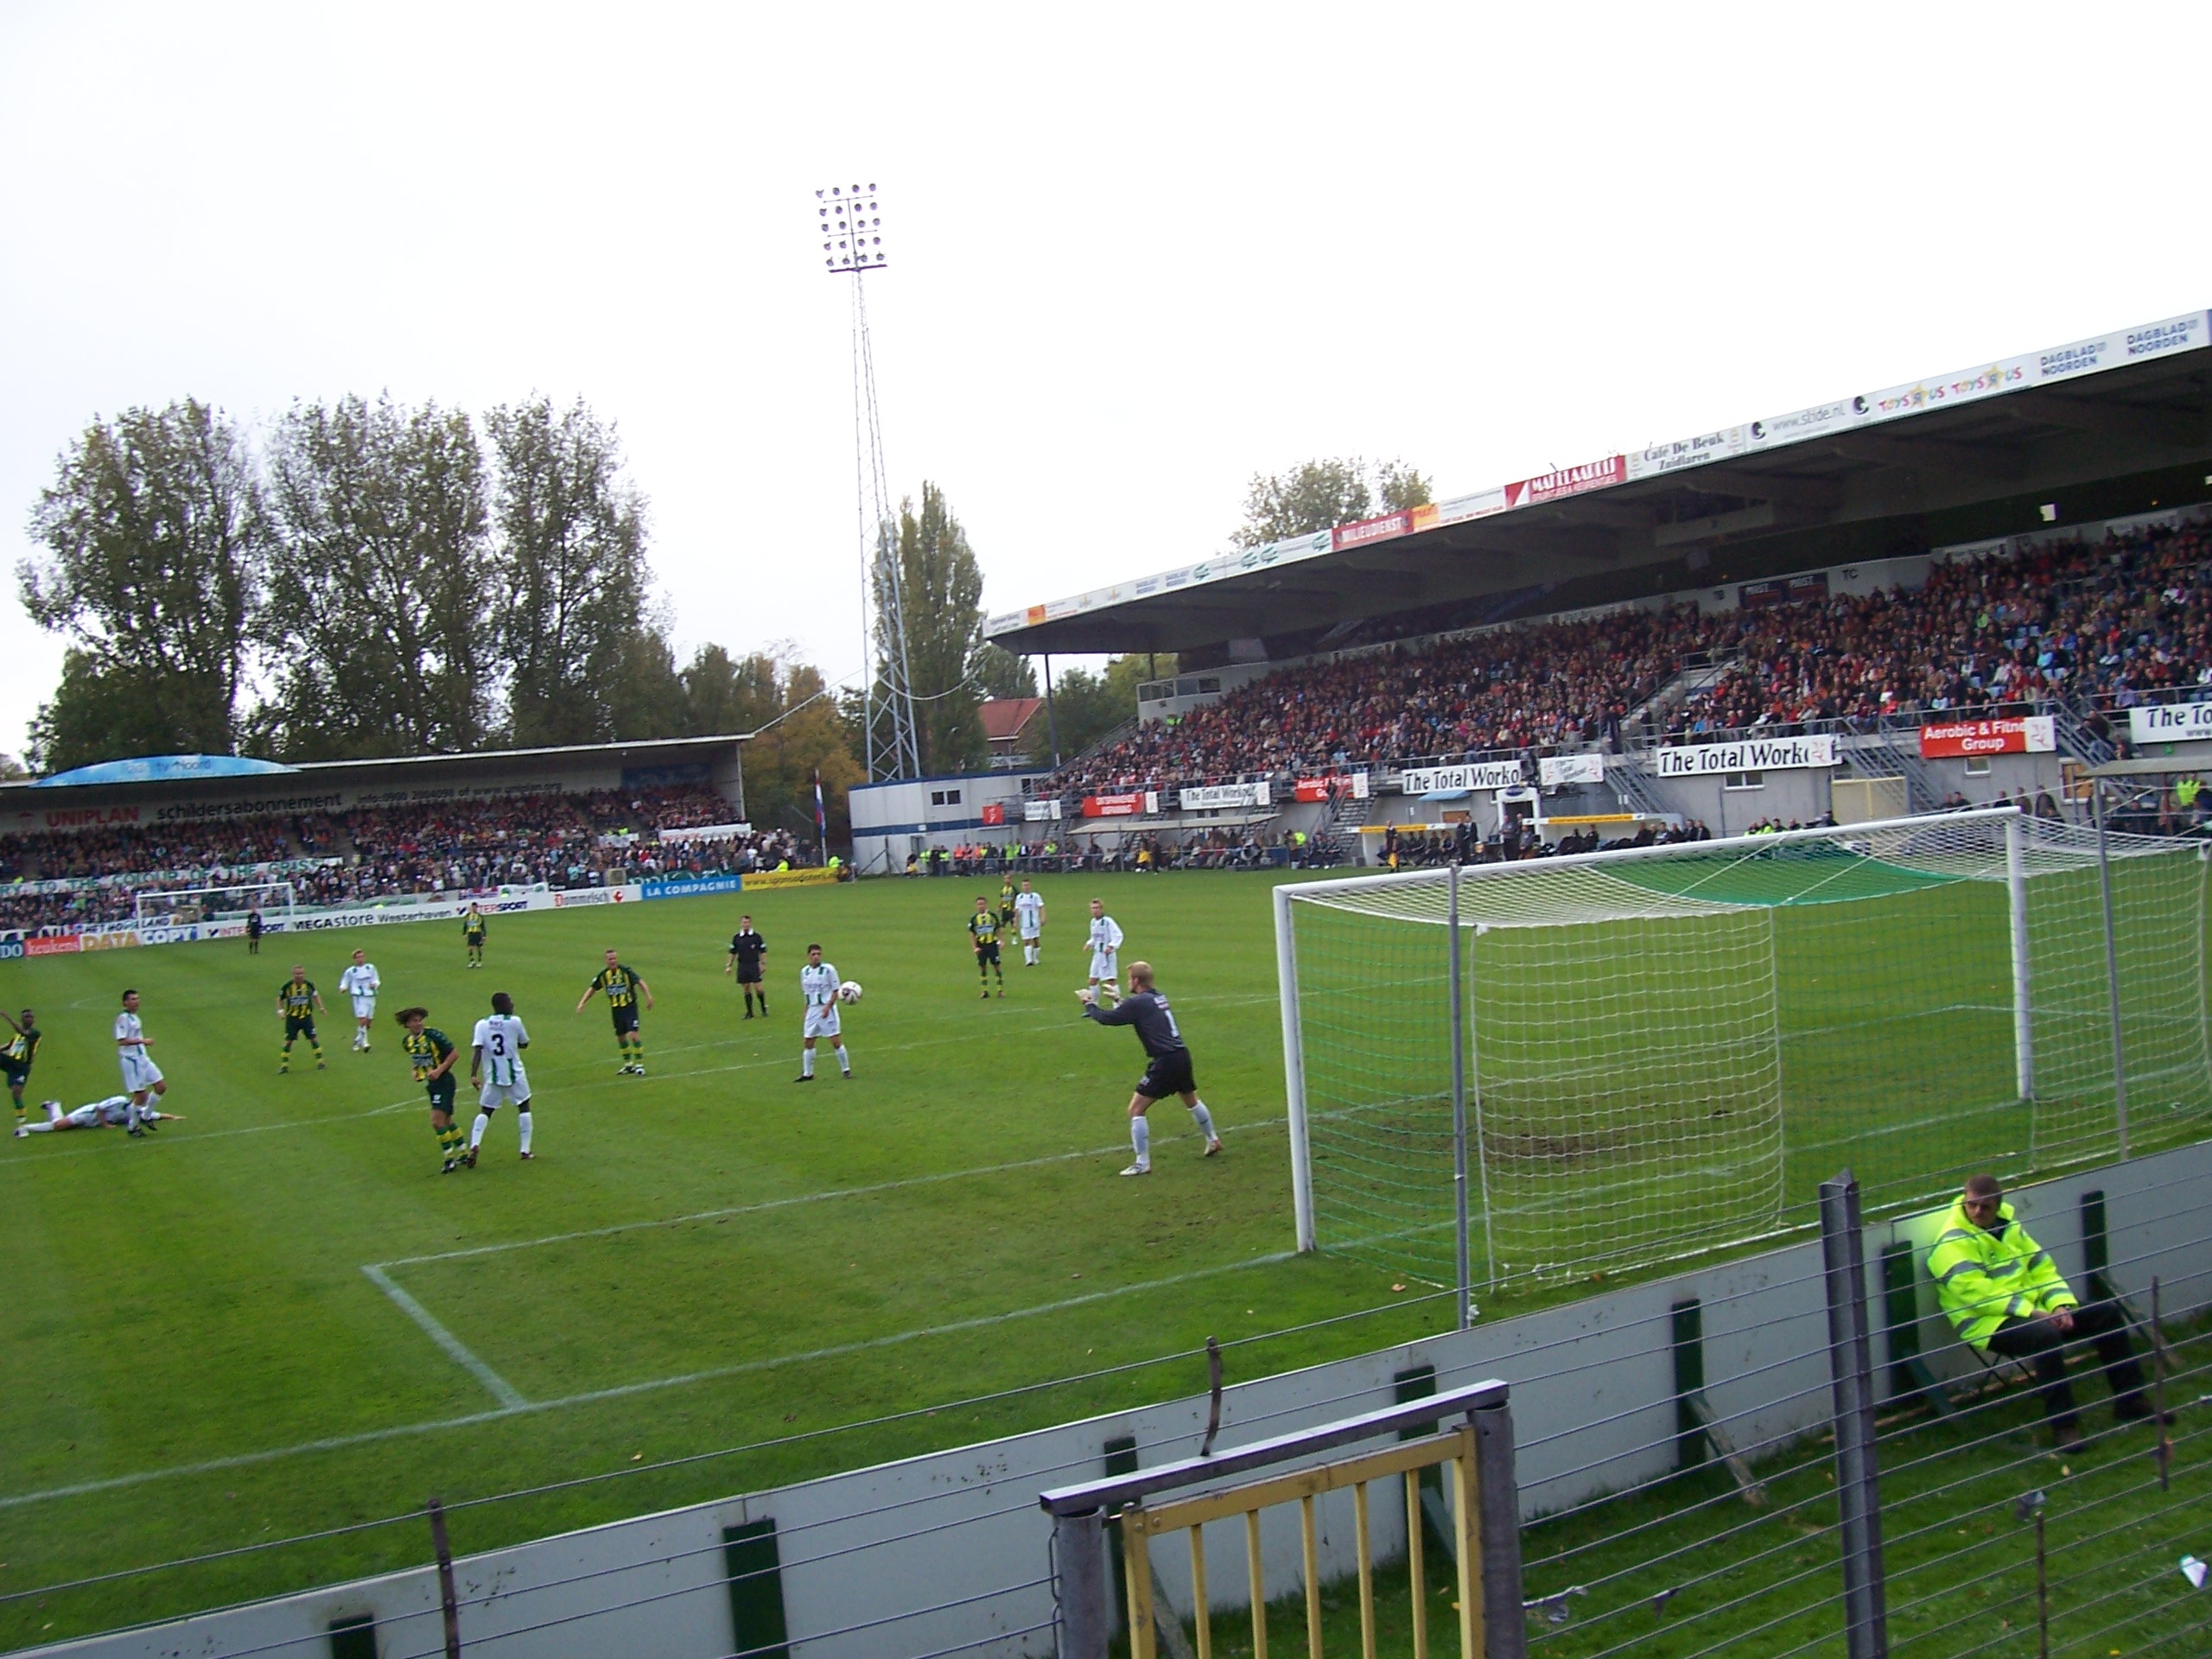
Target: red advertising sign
(994, 813)
(1311, 789)
(2033, 734)
(54, 944)
(1570, 480)
(1112, 806)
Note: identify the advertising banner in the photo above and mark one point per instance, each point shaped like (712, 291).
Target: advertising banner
(994, 813)
(53, 945)
(1330, 787)
(1120, 806)
(677, 888)
(2031, 734)
(704, 832)
(1570, 480)
(11, 950)
(1753, 755)
(1686, 452)
(1446, 780)
(1040, 812)
(1570, 769)
(1782, 590)
(1211, 796)
(585, 898)
(1798, 425)
(764, 881)
(2170, 722)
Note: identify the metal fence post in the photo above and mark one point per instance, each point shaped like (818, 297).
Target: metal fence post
(1079, 1553)
(2112, 966)
(1851, 1368)
(448, 1603)
(1505, 1630)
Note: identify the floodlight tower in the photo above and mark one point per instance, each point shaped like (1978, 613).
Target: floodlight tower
(851, 229)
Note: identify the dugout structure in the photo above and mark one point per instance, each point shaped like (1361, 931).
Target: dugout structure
(1542, 1070)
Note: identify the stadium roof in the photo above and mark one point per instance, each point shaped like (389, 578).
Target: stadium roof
(2124, 403)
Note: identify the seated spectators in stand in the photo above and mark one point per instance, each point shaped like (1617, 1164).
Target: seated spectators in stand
(64, 880)
(2101, 625)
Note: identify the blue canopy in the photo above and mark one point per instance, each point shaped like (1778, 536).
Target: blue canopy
(163, 769)
(1448, 795)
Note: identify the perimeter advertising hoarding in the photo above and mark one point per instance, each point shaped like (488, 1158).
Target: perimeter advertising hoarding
(2170, 722)
(1753, 755)
(1040, 812)
(1327, 788)
(1447, 780)
(1569, 481)
(1120, 806)
(2029, 734)
(1570, 769)
(1207, 797)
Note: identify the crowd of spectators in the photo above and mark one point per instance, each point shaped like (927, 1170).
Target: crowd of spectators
(66, 879)
(2100, 625)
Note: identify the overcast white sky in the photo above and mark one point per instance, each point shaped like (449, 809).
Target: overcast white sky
(1138, 253)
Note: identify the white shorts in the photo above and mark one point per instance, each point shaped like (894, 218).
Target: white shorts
(505, 1094)
(365, 1007)
(1031, 932)
(1101, 964)
(84, 1117)
(822, 1021)
(139, 1071)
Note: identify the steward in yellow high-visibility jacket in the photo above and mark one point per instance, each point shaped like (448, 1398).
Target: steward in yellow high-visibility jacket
(2004, 1295)
(1986, 1274)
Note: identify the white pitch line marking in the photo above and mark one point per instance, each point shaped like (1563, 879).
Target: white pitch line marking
(371, 1437)
(823, 1197)
(501, 1390)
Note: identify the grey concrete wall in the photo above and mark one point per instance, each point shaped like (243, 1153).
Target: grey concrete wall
(1594, 1407)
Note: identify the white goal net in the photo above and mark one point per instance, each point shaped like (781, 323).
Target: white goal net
(187, 906)
(1665, 1050)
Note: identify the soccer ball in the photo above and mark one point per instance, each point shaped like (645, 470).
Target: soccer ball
(849, 991)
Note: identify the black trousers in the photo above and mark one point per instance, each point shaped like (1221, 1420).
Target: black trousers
(2040, 1343)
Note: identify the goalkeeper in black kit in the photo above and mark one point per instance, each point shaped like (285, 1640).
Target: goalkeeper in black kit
(1169, 1072)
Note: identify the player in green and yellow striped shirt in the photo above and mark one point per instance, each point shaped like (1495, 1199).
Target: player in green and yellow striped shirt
(432, 1054)
(299, 1002)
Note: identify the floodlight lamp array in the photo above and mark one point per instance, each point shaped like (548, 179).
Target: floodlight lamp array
(850, 227)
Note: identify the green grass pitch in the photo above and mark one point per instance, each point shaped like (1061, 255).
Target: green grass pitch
(708, 1257)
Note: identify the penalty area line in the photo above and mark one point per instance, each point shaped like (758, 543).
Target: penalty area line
(474, 1420)
(505, 1392)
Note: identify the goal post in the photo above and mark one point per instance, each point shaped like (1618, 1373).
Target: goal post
(185, 906)
(1653, 1052)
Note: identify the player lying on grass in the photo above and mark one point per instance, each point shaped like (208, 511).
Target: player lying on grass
(817, 986)
(116, 1112)
(1169, 1072)
(495, 1070)
(432, 1054)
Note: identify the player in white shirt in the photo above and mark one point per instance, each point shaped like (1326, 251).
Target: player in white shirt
(495, 1069)
(360, 983)
(1029, 917)
(817, 986)
(1105, 940)
(116, 1112)
(141, 1076)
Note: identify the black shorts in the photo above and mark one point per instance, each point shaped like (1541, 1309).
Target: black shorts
(297, 1026)
(748, 975)
(1168, 1074)
(986, 954)
(625, 1020)
(442, 1092)
(17, 1075)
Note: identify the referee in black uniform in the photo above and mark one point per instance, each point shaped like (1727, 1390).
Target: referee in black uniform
(745, 950)
(1169, 1072)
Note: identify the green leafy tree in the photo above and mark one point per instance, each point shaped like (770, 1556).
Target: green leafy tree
(570, 567)
(811, 731)
(381, 582)
(998, 672)
(940, 587)
(1086, 707)
(724, 693)
(155, 554)
(1322, 494)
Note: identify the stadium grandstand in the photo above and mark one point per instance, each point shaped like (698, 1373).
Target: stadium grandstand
(1965, 589)
(78, 849)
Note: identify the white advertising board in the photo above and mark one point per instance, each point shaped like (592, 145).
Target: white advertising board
(2170, 722)
(1446, 780)
(1752, 754)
